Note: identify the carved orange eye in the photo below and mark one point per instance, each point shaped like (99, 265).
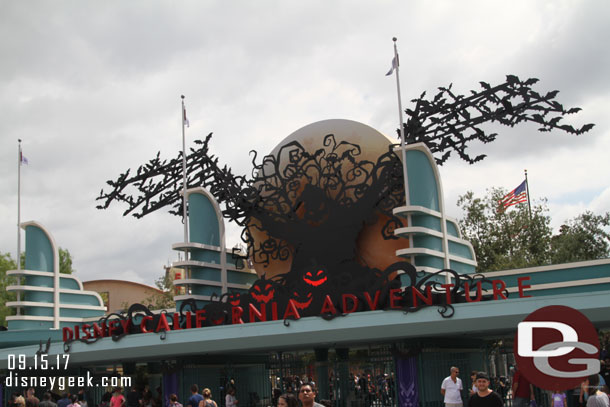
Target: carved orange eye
(268, 286)
(320, 272)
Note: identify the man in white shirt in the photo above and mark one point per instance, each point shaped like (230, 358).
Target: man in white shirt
(451, 388)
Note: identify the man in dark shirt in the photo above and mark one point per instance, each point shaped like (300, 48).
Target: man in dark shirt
(484, 397)
(133, 398)
(605, 371)
(64, 401)
(82, 397)
(195, 397)
(46, 401)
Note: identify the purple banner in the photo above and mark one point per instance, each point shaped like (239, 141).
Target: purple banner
(170, 385)
(406, 372)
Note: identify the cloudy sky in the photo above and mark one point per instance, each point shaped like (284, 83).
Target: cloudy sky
(93, 88)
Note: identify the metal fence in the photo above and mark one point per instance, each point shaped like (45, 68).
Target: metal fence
(366, 378)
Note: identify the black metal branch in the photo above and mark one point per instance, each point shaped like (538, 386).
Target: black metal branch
(449, 122)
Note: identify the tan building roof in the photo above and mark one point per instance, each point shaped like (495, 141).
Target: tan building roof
(119, 294)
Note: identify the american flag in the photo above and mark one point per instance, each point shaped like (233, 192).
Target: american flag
(517, 195)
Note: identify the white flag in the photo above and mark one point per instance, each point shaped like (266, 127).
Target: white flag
(394, 66)
(185, 121)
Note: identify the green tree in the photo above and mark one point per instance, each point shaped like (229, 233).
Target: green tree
(65, 261)
(165, 299)
(584, 237)
(6, 263)
(505, 239)
(514, 238)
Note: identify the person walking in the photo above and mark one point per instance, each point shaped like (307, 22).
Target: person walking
(287, 400)
(307, 395)
(502, 387)
(597, 398)
(46, 401)
(230, 400)
(133, 397)
(64, 401)
(173, 401)
(484, 397)
(451, 388)
(105, 401)
(473, 383)
(118, 400)
(31, 399)
(523, 391)
(82, 397)
(207, 399)
(195, 398)
(74, 401)
(559, 399)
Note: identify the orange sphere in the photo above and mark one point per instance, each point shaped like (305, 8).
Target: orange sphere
(372, 250)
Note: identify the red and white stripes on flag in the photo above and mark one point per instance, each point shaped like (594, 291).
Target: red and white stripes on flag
(517, 195)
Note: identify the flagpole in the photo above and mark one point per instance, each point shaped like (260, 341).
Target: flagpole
(527, 189)
(402, 146)
(19, 161)
(184, 186)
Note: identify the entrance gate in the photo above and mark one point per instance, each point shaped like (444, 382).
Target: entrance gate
(365, 378)
(435, 365)
(356, 377)
(251, 382)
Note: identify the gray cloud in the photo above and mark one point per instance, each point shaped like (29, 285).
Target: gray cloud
(93, 89)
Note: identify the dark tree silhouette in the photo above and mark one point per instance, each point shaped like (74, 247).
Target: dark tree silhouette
(303, 202)
(446, 123)
(311, 205)
(449, 122)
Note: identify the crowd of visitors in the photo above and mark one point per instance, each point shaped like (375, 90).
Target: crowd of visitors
(484, 391)
(480, 391)
(49, 399)
(365, 387)
(111, 398)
